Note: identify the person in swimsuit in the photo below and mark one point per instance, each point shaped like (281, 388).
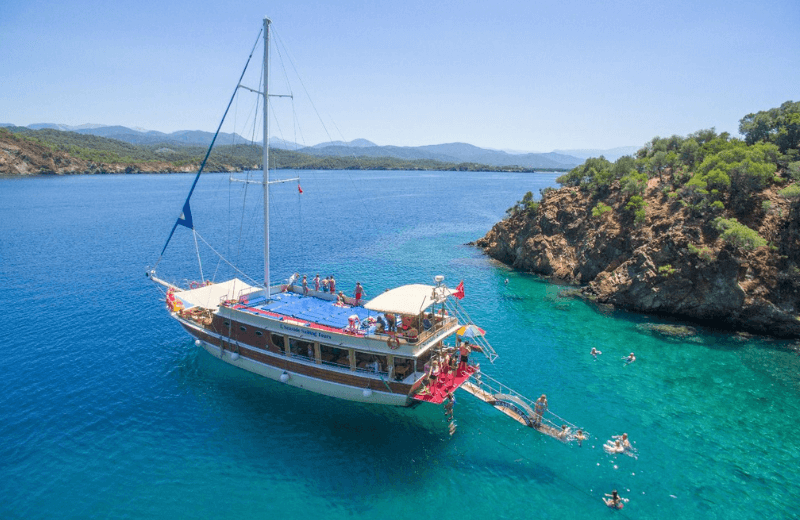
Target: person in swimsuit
(630, 359)
(325, 284)
(359, 292)
(613, 500)
(580, 437)
(332, 285)
(595, 352)
(614, 447)
(316, 283)
(305, 286)
(464, 350)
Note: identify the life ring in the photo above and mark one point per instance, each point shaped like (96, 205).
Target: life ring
(393, 342)
(194, 285)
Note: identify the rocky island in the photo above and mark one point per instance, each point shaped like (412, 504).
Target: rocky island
(704, 227)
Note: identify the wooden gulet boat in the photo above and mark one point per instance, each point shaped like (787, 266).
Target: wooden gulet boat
(404, 347)
(311, 341)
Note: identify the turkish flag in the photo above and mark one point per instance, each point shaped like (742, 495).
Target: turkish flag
(459, 291)
(299, 189)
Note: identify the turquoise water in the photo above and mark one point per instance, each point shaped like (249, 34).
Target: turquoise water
(109, 410)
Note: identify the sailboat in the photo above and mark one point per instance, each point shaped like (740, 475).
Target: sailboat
(411, 344)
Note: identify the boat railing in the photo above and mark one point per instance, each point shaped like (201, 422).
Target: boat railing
(455, 309)
(503, 395)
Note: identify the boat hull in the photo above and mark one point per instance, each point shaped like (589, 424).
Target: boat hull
(314, 378)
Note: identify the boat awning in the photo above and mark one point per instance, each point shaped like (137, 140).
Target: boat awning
(210, 296)
(408, 299)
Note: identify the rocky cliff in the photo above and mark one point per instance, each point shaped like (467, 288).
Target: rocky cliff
(673, 263)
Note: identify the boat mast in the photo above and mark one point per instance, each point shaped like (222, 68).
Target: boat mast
(265, 157)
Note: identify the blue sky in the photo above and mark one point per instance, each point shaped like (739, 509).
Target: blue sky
(527, 75)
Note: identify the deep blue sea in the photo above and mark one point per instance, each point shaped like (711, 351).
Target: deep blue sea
(108, 410)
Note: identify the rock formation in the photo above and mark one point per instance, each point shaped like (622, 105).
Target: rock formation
(674, 263)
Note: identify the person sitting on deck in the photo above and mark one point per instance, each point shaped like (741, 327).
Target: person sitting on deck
(426, 322)
(340, 299)
(412, 334)
(380, 325)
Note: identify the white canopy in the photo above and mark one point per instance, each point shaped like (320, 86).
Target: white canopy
(408, 299)
(210, 296)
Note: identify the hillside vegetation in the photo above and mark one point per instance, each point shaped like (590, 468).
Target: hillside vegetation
(705, 226)
(94, 154)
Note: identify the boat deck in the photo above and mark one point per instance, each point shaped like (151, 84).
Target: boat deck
(308, 310)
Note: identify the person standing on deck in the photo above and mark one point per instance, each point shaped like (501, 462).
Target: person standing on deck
(325, 284)
(359, 293)
(332, 285)
(316, 283)
(305, 286)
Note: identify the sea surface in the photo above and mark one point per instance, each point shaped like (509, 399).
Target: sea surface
(108, 410)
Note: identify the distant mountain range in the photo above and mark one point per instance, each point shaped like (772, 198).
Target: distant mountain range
(450, 152)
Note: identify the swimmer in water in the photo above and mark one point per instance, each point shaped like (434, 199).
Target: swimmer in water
(614, 500)
(595, 352)
(623, 439)
(630, 359)
(580, 437)
(613, 447)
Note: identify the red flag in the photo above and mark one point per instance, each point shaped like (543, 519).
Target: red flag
(299, 189)
(459, 291)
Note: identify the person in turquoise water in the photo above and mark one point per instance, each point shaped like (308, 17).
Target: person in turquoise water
(614, 501)
(630, 359)
(595, 352)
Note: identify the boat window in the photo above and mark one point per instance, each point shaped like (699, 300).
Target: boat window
(277, 340)
(301, 348)
(259, 333)
(331, 355)
(372, 363)
(403, 367)
(242, 328)
(227, 324)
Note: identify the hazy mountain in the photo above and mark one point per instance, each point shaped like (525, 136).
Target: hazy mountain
(450, 152)
(612, 154)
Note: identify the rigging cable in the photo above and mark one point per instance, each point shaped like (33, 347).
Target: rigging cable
(185, 218)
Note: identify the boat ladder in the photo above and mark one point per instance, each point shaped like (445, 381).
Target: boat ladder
(453, 307)
(519, 408)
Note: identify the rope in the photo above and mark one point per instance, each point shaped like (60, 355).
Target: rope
(197, 250)
(255, 283)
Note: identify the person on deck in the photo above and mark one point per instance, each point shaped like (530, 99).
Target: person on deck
(316, 283)
(380, 324)
(539, 408)
(325, 284)
(359, 292)
(305, 286)
(391, 323)
(340, 298)
(332, 285)
(464, 349)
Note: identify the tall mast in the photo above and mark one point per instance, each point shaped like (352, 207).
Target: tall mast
(267, 22)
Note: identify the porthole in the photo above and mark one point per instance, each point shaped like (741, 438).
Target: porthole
(259, 333)
(227, 324)
(242, 328)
